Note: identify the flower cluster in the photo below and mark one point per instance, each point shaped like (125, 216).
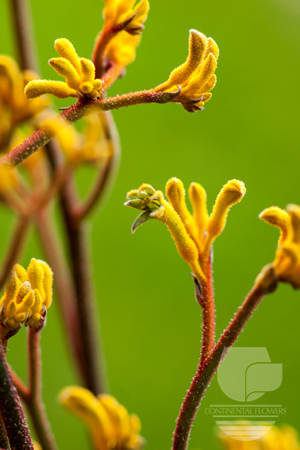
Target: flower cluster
(193, 234)
(27, 296)
(110, 425)
(14, 107)
(287, 259)
(196, 76)
(78, 72)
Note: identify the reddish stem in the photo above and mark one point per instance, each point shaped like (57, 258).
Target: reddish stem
(34, 403)
(207, 369)
(113, 73)
(82, 108)
(11, 410)
(64, 286)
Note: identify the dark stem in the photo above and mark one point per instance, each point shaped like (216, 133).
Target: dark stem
(80, 264)
(34, 404)
(208, 368)
(11, 410)
(15, 248)
(80, 269)
(64, 286)
(4, 443)
(23, 34)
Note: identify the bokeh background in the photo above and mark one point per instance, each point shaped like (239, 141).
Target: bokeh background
(150, 322)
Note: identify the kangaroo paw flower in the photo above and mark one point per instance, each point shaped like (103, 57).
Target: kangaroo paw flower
(287, 258)
(196, 76)
(109, 423)
(27, 296)
(79, 74)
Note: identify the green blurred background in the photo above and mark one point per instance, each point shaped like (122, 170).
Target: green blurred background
(150, 322)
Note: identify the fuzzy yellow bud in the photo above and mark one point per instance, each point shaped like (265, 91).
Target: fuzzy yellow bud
(231, 193)
(66, 50)
(27, 294)
(197, 196)
(176, 196)
(59, 89)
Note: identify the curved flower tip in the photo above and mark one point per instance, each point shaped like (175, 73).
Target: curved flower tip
(79, 74)
(287, 258)
(272, 437)
(109, 423)
(196, 76)
(27, 296)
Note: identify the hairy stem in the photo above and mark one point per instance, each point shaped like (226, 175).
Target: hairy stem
(206, 369)
(64, 286)
(76, 112)
(206, 300)
(35, 404)
(11, 410)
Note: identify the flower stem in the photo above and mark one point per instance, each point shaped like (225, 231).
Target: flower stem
(207, 368)
(23, 34)
(82, 108)
(34, 403)
(64, 286)
(11, 410)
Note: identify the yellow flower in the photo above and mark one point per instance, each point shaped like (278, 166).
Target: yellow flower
(78, 72)
(196, 76)
(123, 15)
(109, 423)
(195, 234)
(283, 438)
(27, 296)
(287, 258)
(121, 48)
(14, 107)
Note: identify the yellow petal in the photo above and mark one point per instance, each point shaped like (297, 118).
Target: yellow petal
(36, 276)
(66, 50)
(231, 193)
(198, 82)
(66, 69)
(197, 196)
(60, 89)
(47, 282)
(279, 218)
(176, 196)
(294, 212)
(87, 407)
(88, 70)
(21, 272)
(197, 48)
(212, 48)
